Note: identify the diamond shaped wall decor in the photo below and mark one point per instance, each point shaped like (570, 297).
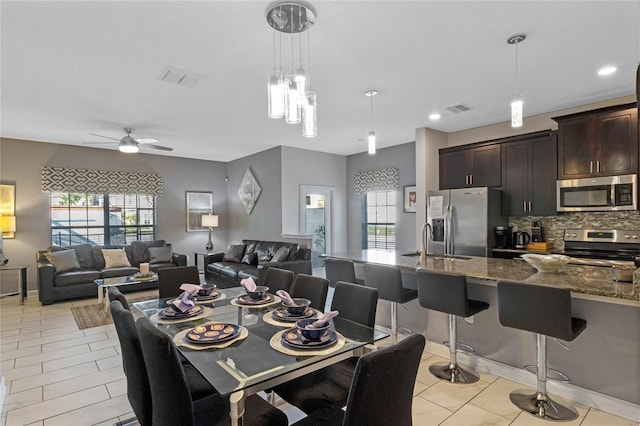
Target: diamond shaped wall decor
(249, 191)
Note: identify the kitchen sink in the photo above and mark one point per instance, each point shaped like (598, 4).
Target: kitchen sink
(437, 256)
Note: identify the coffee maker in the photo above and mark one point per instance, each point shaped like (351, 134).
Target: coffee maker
(504, 237)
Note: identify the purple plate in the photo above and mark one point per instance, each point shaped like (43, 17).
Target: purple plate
(294, 339)
(170, 313)
(282, 314)
(246, 300)
(213, 333)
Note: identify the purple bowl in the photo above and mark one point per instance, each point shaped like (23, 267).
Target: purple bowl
(311, 333)
(206, 289)
(299, 306)
(259, 293)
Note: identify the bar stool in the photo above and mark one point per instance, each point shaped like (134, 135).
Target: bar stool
(340, 270)
(545, 311)
(447, 292)
(388, 281)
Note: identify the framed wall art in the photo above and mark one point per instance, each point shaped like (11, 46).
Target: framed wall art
(8, 208)
(410, 199)
(198, 204)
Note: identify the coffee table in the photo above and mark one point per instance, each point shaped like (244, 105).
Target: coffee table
(104, 284)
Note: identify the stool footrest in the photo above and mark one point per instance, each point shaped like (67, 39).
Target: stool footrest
(552, 374)
(542, 406)
(465, 348)
(453, 373)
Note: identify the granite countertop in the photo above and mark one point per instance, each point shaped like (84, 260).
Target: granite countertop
(588, 280)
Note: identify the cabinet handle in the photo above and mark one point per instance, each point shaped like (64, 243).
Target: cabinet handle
(598, 166)
(590, 166)
(524, 206)
(529, 206)
(470, 179)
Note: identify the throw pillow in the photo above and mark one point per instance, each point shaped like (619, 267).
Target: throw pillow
(64, 260)
(280, 255)
(234, 253)
(115, 258)
(264, 258)
(160, 254)
(250, 259)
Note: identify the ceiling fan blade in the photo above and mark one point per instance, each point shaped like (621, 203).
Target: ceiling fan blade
(99, 143)
(161, 148)
(107, 137)
(146, 140)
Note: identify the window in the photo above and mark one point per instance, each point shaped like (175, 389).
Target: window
(379, 220)
(109, 219)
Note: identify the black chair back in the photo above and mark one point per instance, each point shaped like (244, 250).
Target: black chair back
(170, 280)
(115, 294)
(538, 308)
(387, 279)
(313, 288)
(138, 390)
(339, 270)
(356, 303)
(382, 388)
(278, 279)
(446, 292)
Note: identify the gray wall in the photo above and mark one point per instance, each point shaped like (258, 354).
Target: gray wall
(402, 157)
(21, 162)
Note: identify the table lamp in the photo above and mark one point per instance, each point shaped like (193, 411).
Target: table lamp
(209, 221)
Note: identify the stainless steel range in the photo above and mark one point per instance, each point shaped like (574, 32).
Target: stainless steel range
(602, 247)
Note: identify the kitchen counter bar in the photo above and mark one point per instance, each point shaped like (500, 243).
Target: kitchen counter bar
(583, 281)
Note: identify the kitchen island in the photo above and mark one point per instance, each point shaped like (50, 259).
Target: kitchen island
(604, 359)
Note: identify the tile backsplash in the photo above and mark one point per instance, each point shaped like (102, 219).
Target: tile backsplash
(554, 226)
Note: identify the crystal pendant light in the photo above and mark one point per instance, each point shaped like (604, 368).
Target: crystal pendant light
(309, 116)
(275, 94)
(518, 100)
(371, 139)
(292, 108)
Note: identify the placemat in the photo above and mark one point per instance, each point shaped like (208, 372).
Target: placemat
(268, 318)
(276, 300)
(206, 311)
(276, 343)
(178, 339)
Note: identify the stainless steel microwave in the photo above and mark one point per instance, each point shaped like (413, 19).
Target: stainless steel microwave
(609, 193)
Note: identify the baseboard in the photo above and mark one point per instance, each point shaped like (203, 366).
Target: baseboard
(574, 393)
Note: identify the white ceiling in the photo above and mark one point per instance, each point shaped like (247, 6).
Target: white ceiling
(72, 68)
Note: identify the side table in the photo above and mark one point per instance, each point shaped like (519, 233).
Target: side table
(22, 284)
(204, 255)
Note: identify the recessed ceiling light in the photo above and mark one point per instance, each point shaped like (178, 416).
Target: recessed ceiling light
(607, 70)
(434, 116)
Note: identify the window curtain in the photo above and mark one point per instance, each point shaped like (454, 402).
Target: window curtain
(376, 180)
(60, 179)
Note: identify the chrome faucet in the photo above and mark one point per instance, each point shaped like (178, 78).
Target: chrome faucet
(423, 234)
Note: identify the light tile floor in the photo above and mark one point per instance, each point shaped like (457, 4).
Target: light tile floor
(59, 375)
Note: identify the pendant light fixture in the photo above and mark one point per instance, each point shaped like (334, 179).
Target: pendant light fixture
(517, 101)
(371, 139)
(298, 101)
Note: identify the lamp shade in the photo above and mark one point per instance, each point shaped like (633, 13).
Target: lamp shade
(7, 224)
(210, 220)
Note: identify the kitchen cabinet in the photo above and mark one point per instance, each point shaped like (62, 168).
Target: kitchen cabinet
(470, 167)
(529, 176)
(603, 142)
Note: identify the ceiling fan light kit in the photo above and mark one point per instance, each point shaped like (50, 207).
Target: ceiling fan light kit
(289, 95)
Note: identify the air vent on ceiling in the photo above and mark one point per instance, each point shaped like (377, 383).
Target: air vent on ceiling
(180, 77)
(459, 108)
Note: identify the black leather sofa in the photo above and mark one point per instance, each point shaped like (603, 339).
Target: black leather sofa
(252, 258)
(79, 282)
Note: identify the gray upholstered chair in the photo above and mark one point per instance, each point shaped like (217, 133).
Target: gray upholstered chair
(546, 311)
(170, 280)
(313, 288)
(115, 294)
(340, 270)
(278, 279)
(382, 389)
(172, 403)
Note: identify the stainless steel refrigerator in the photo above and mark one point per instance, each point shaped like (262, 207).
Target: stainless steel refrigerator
(463, 221)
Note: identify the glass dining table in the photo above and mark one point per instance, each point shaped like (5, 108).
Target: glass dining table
(251, 364)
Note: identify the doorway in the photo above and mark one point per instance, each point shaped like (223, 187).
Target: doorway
(315, 220)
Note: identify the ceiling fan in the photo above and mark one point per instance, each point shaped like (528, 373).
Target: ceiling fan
(129, 144)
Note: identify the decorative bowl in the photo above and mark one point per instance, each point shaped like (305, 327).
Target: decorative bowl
(298, 307)
(311, 333)
(206, 289)
(259, 293)
(546, 262)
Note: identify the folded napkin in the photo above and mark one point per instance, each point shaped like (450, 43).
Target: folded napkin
(184, 302)
(286, 297)
(323, 319)
(249, 284)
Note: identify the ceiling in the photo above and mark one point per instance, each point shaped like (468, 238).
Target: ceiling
(72, 68)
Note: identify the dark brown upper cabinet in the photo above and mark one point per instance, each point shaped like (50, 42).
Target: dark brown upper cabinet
(602, 142)
(529, 176)
(470, 166)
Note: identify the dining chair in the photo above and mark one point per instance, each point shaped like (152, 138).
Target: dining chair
(313, 288)
(115, 294)
(172, 401)
(278, 279)
(170, 280)
(132, 355)
(331, 384)
(382, 389)
(340, 270)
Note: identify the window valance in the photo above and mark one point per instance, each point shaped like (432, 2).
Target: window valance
(376, 180)
(60, 179)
